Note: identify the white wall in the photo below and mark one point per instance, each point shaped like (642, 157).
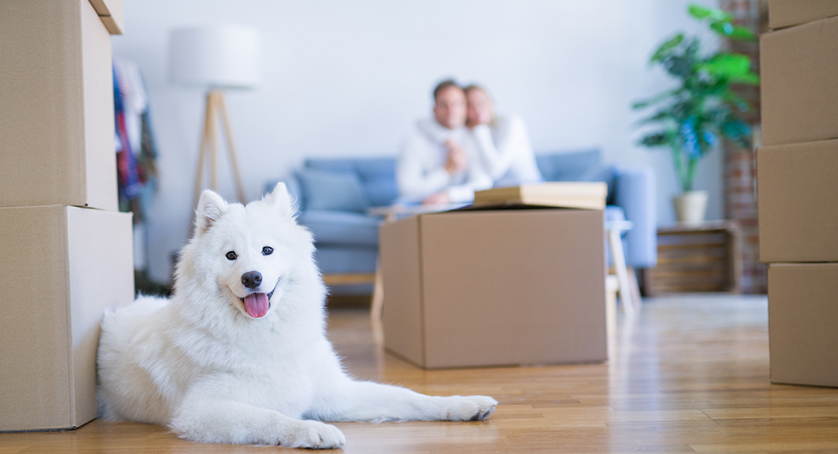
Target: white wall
(348, 78)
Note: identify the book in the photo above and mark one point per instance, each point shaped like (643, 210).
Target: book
(586, 195)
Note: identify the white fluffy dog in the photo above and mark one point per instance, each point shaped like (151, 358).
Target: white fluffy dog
(239, 354)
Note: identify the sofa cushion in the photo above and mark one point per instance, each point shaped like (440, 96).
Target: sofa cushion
(567, 166)
(606, 173)
(346, 259)
(340, 227)
(377, 175)
(339, 191)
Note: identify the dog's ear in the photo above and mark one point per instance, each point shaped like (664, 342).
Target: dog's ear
(280, 200)
(209, 210)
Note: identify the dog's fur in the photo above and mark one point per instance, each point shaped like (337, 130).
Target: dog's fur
(200, 364)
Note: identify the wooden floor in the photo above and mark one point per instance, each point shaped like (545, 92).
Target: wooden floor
(689, 374)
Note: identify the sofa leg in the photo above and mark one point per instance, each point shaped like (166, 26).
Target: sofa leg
(377, 304)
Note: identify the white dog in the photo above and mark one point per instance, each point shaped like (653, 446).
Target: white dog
(239, 354)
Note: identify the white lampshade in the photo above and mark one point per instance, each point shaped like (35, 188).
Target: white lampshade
(224, 56)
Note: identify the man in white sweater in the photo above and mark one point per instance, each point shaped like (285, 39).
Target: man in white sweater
(439, 162)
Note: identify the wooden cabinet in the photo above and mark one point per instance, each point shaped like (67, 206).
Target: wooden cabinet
(696, 258)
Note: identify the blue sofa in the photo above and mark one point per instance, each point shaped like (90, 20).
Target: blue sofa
(333, 195)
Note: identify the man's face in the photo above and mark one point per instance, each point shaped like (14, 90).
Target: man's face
(450, 107)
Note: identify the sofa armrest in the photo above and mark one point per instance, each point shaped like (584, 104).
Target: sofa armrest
(635, 194)
(294, 189)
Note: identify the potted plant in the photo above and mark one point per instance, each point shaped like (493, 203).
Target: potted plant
(691, 119)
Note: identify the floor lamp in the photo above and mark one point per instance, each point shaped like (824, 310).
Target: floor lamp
(216, 59)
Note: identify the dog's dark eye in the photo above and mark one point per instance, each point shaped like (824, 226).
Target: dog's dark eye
(231, 255)
(267, 250)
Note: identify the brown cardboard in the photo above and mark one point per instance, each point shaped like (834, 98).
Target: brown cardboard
(785, 13)
(62, 268)
(798, 208)
(799, 87)
(484, 288)
(56, 93)
(110, 13)
(802, 320)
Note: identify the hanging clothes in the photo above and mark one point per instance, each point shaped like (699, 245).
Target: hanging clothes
(134, 139)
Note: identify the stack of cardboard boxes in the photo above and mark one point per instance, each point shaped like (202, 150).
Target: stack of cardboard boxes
(798, 189)
(65, 250)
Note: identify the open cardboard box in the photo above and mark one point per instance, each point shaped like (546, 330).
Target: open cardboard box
(62, 268)
(495, 287)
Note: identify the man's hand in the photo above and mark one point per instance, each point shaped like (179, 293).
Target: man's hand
(456, 159)
(440, 198)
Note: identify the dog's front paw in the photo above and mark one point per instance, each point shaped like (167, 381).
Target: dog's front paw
(470, 408)
(314, 435)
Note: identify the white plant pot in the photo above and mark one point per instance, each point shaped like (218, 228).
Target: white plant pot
(690, 207)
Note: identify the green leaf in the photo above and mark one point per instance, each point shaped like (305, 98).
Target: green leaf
(727, 65)
(747, 79)
(729, 30)
(666, 47)
(658, 98)
(658, 139)
(737, 101)
(657, 117)
(703, 12)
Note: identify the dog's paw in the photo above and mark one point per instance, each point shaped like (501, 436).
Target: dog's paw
(470, 408)
(313, 435)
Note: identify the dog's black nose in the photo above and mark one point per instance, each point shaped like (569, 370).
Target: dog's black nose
(251, 279)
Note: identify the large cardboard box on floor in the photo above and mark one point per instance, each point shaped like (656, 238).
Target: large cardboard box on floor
(798, 209)
(799, 87)
(495, 287)
(785, 13)
(56, 104)
(62, 268)
(803, 323)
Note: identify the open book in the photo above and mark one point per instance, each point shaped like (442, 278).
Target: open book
(588, 195)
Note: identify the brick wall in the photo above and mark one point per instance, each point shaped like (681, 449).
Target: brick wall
(739, 163)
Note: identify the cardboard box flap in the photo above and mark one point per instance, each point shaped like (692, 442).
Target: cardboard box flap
(512, 206)
(110, 13)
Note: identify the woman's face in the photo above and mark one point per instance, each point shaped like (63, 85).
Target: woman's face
(480, 110)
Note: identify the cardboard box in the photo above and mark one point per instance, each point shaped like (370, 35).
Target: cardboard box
(799, 87)
(57, 115)
(485, 288)
(785, 13)
(798, 208)
(803, 323)
(62, 268)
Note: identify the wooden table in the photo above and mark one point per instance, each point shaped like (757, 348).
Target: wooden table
(701, 257)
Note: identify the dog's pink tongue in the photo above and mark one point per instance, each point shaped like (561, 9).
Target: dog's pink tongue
(256, 304)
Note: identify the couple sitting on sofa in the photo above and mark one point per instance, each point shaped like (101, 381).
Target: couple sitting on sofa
(464, 148)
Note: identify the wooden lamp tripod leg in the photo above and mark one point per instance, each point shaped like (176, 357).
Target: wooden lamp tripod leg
(222, 107)
(206, 138)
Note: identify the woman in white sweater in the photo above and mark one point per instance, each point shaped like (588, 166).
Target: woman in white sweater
(503, 143)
